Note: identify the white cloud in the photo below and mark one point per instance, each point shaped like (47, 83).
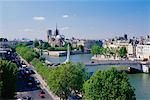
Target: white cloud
(65, 16)
(25, 30)
(64, 28)
(39, 18)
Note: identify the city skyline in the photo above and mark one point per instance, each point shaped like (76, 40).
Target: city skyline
(80, 19)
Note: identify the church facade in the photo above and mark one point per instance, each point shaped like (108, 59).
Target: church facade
(55, 39)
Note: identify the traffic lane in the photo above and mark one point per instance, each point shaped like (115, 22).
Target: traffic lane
(24, 91)
(35, 95)
(22, 85)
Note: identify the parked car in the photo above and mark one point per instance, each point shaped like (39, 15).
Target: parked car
(37, 82)
(30, 81)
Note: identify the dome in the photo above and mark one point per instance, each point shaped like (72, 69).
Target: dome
(58, 37)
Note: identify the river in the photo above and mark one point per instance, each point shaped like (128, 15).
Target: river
(141, 82)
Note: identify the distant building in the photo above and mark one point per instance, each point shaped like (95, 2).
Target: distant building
(89, 43)
(143, 51)
(55, 40)
(5, 51)
(49, 34)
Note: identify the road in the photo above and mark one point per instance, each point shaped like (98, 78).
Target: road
(24, 90)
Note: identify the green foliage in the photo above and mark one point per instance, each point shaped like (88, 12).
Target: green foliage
(45, 45)
(42, 59)
(43, 70)
(67, 78)
(8, 79)
(36, 43)
(95, 49)
(66, 44)
(108, 85)
(122, 52)
(27, 53)
(63, 79)
(13, 48)
(81, 47)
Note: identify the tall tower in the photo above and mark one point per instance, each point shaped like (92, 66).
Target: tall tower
(49, 35)
(125, 36)
(56, 31)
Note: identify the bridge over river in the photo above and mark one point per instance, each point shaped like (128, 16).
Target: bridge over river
(143, 66)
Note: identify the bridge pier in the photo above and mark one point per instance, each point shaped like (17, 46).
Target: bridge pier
(133, 70)
(145, 68)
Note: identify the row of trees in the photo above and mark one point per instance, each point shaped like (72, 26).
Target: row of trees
(71, 79)
(45, 45)
(97, 50)
(26, 52)
(65, 80)
(8, 73)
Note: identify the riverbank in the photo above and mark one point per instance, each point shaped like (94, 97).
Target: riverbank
(42, 81)
(140, 81)
(61, 53)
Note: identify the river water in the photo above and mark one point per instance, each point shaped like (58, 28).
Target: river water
(141, 82)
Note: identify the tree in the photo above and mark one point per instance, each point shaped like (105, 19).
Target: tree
(122, 52)
(36, 43)
(108, 85)
(113, 52)
(67, 78)
(27, 53)
(45, 45)
(81, 47)
(95, 49)
(8, 79)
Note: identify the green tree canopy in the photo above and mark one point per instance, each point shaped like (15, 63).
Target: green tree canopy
(36, 43)
(95, 49)
(27, 53)
(67, 78)
(8, 72)
(108, 85)
(45, 45)
(81, 47)
(122, 52)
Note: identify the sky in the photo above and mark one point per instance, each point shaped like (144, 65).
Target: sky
(86, 19)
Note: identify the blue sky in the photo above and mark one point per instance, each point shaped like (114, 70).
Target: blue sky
(88, 19)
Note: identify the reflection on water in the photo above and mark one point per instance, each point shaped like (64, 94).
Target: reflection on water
(141, 82)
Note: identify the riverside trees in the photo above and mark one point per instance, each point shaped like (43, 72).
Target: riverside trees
(108, 85)
(122, 52)
(27, 53)
(107, 52)
(95, 49)
(8, 72)
(65, 80)
(69, 78)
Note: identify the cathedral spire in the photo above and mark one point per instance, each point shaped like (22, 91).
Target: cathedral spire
(56, 31)
(56, 26)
